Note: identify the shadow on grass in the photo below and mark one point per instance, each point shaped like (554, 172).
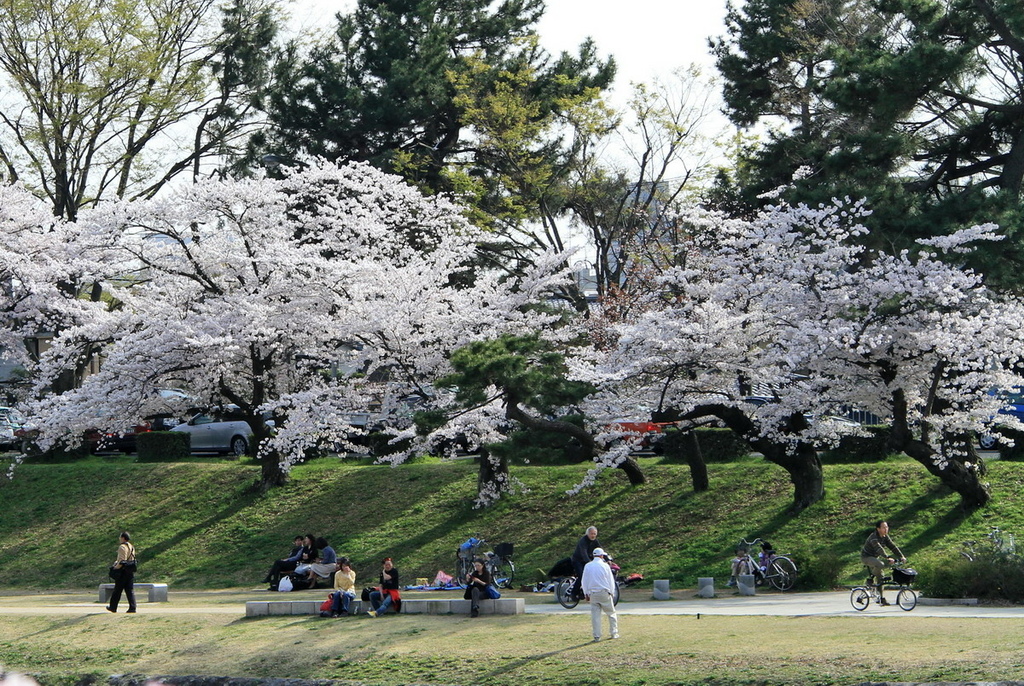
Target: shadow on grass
(524, 661)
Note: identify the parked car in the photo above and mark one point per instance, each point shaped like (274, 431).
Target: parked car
(11, 423)
(167, 409)
(219, 431)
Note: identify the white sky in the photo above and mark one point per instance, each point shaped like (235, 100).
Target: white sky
(648, 38)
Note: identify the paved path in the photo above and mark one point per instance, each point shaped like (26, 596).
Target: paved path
(786, 605)
(683, 603)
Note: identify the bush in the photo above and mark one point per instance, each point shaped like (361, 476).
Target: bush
(163, 446)
(859, 448)
(1014, 453)
(818, 571)
(992, 575)
(716, 445)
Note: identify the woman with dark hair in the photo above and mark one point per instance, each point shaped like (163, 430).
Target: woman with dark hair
(387, 594)
(125, 564)
(325, 565)
(477, 582)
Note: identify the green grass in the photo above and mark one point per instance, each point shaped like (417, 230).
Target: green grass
(198, 524)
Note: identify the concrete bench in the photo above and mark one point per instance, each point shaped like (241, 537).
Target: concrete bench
(156, 593)
(421, 606)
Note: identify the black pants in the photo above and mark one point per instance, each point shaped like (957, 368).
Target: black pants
(127, 584)
(278, 568)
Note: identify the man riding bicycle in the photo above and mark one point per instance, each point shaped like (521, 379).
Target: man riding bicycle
(873, 555)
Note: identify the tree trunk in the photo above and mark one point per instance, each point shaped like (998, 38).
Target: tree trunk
(695, 458)
(493, 479)
(684, 446)
(962, 476)
(804, 469)
(801, 462)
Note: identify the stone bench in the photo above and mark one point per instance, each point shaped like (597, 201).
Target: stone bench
(420, 606)
(156, 593)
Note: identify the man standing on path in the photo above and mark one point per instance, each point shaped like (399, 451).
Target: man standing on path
(873, 555)
(599, 588)
(583, 554)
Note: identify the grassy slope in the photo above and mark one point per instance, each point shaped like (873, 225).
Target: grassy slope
(196, 524)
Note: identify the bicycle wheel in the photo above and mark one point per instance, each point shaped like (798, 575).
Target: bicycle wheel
(906, 599)
(504, 573)
(564, 594)
(615, 600)
(860, 598)
(463, 566)
(782, 573)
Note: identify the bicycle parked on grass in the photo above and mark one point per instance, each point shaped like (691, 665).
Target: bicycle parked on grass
(498, 562)
(901, 580)
(998, 544)
(771, 567)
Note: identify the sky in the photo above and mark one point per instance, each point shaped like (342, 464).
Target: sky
(648, 38)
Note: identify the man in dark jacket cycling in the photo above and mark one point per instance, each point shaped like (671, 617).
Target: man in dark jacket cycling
(874, 557)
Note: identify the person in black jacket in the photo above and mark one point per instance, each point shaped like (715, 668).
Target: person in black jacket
(477, 582)
(583, 554)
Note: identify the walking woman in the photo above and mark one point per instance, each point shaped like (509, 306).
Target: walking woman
(125, 581)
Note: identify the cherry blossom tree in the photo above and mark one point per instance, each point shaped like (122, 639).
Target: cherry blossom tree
(792, 302)
(261, 292)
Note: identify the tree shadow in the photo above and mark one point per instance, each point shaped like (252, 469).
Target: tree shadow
(530, 659)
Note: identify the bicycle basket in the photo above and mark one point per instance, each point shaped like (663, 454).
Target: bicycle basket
(904, 576)
(503, 550)
(468, 549)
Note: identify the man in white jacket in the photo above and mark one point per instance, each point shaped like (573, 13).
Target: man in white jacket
(599, 588)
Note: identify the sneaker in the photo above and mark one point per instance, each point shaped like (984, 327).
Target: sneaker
(372, 613)
(732, 582)
(596, 639)
(110, 609)
(343, 613)
(883, 601)
(131, 612)
(326, 614)
(475, 612)
(615, 635)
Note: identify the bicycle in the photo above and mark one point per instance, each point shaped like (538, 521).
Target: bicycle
(778, 570)
(902, 578)
(498, 562)
(999, 543)
(567, 599)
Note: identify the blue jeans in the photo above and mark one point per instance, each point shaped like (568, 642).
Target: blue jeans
(379, 606)
(341, 600)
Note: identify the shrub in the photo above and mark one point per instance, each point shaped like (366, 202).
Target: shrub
(163, 446)
(859, 448)
(992, 575)
(716, 445)
(817, 571)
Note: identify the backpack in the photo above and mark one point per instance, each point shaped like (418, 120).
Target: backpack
(285, 584)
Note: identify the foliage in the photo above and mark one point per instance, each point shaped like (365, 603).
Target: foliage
(163, 446)
(992, 575)
(98, 88)
(866, 448)
(914, 105)
(255, 293)
(791, 301)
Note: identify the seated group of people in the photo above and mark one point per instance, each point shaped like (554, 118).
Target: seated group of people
(312, 557)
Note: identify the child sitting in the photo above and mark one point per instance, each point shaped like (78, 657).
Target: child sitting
(740, 565)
